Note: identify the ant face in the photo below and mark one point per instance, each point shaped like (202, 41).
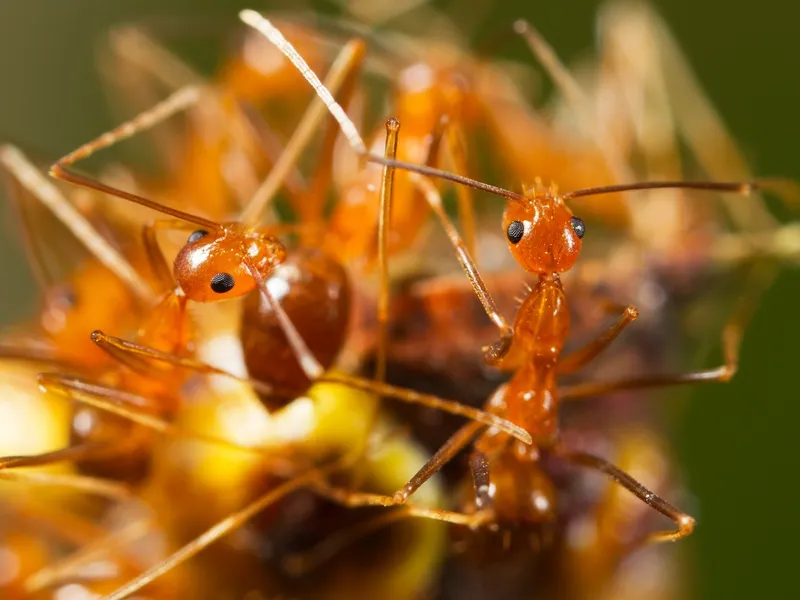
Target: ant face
(543, 235)
(211, 265)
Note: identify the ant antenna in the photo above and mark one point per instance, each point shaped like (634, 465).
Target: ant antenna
(268, 30)
(173, 104)
(745, 188)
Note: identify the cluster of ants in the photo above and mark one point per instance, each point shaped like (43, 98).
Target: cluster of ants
(219, 395)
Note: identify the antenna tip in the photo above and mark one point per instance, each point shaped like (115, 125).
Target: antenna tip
(250, 17)
(521, 26)
(392, 124)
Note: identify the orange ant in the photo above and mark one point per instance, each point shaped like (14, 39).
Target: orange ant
(227, 260)
(538, 337)
(219, 261)
(545, 238)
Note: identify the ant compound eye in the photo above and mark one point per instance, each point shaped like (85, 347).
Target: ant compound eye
(196, 235)
(222, 283)
(579, 226)
(515, 231)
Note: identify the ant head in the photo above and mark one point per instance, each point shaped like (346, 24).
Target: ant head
(543, 234)
(212, 265)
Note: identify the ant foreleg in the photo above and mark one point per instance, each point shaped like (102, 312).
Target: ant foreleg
(155, 257)
(494, 353)
(685, 523)
(581, 357)
(137, 357)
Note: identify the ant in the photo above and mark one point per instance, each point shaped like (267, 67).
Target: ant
(222, 260)
(535, 356)
(545, 238)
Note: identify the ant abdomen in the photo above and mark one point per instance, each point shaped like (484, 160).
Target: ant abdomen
(213, 265)
(314, 290)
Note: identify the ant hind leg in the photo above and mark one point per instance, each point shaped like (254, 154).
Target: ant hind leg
(684, 522)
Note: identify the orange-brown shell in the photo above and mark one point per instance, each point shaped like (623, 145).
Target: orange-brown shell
(549, 242)
(225, 252)
(314, 291)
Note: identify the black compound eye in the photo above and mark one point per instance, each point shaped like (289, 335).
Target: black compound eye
(515, 231)
(579, 226)
(222, 283)
(196, 235)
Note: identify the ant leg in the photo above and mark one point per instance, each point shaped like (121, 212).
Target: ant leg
(136, 357)
(346, 125)
(457, 152)
(479, 468)
(685, 523)
(494, 353)
(139, 410)
(70, 454)
(175, 103)
(91, 485)
(384, 223)
(135, 60)
(329, 547)
(155, 257)
(221, 529)
(388, 391)
(457, 442)
(348, 61)
(311, 208)
(581, 357)
(20, 168)
(314, 372)
(731, 343)
(352, 499)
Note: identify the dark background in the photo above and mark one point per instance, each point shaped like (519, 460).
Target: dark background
(736, 441)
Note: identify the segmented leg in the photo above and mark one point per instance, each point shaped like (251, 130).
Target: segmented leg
(221, 529)
(731, 342)
(158, 263)
(384, 224)
(455, 444)
(137, 357)
(583, 356)
(685, 523)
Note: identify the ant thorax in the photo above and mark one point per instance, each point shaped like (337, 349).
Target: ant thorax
(543, 321)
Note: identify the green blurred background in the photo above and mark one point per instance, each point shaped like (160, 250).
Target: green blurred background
(736, 441)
